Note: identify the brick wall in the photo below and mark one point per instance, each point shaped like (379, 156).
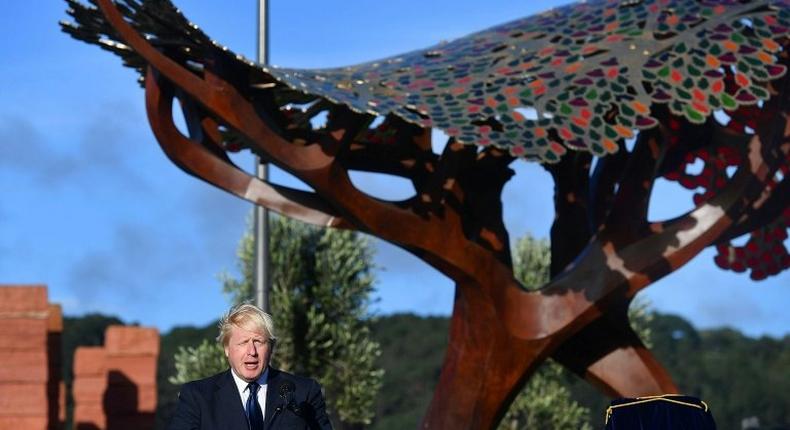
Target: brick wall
(29, 359)
(56, 388)
(115, 385)
(88, 387)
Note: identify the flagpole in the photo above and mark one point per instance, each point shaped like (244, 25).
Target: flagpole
(261, 214)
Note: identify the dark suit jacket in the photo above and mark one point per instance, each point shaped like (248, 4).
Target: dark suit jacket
(214, 403)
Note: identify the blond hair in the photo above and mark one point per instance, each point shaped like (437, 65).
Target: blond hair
(248, 317)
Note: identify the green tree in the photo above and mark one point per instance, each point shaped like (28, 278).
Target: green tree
(546, 403)
(196, 362)
(321, 285)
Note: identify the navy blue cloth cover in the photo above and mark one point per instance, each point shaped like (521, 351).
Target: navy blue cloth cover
(667, 412)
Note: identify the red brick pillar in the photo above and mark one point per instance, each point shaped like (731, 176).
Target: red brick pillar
(115, 385)
(130, 399)
(56, 389)
(23, 357)
(88, 388)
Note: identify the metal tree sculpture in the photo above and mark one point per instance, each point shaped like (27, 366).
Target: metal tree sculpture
(560, 88)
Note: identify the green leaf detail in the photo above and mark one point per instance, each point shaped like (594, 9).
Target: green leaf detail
(728, 102)
(694, 116)
(693, 71)
(759, 92)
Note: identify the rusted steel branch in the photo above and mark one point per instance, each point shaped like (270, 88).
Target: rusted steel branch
(199, 161)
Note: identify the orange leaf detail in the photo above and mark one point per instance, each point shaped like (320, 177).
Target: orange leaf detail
(765, 57)
(609, 146)
(624, 131)
(640, 107)
(701, 108)
(742, 80)
(572, 68)
(557, 148)
(581, 122)
(712, 61)
(730, 45)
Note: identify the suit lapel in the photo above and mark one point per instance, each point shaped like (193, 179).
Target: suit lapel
(229, 412)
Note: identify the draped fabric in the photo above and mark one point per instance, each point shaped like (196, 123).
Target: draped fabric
(666, 412)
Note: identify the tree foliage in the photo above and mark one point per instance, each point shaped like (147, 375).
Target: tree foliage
(321, 285)
(546, 403)
(197, 362)
(532, 261)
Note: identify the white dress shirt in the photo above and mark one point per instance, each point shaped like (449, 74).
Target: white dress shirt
(244, 391)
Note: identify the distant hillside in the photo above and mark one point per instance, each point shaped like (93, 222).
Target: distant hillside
(737, 376)
(412, 349)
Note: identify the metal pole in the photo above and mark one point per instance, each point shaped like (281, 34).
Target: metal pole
(262, 270)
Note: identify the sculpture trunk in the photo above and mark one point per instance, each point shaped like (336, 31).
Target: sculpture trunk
(484, 366)
(610, 356)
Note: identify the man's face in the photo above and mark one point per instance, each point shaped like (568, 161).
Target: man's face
(248, 353)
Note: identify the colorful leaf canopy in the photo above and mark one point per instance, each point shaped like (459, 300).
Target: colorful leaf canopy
(582, 77)
(579, 77)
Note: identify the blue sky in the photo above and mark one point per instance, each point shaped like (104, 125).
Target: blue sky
(92, 207)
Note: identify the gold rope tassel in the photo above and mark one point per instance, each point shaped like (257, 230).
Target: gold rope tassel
(646, 399)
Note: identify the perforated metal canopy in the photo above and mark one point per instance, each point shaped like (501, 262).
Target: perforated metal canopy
(581, 77)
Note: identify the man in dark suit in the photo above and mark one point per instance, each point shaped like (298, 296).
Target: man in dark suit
(250, 395)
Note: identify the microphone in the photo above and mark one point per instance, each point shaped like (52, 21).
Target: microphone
(286, 392)
(286, 388)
